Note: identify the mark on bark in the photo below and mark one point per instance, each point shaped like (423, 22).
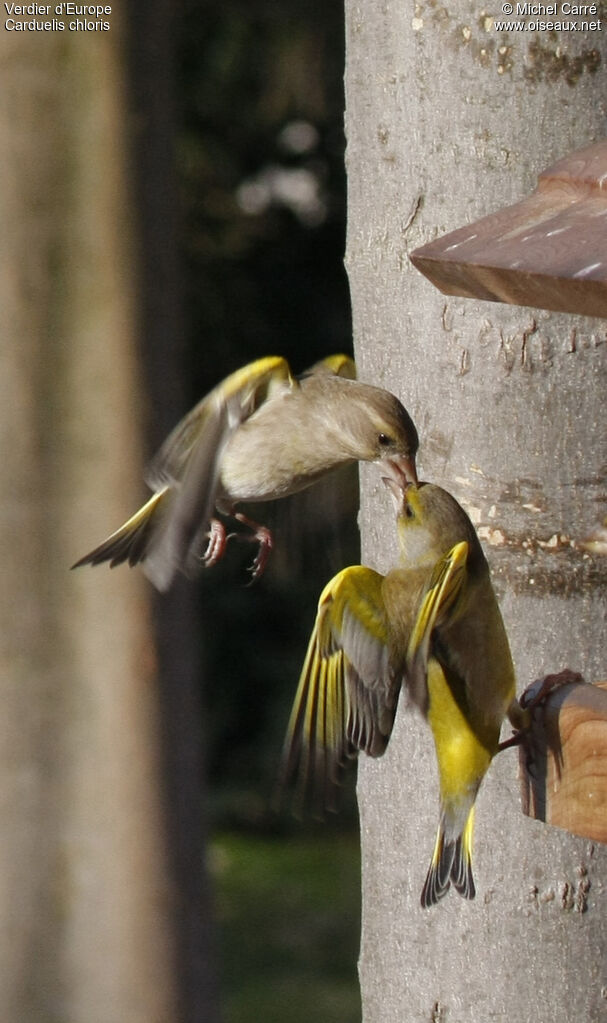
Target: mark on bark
(504, 63)
(464, 362)
(572, 897)
(439, 1013)
(575, 897)
(542, 574)
(531, 329)
(416, 206)
(553, 63)
(484, 334)
(530, 349)
(383, 134)
(581, 902)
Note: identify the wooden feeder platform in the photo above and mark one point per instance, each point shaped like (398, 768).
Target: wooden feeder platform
(563, 761)
(548, 251)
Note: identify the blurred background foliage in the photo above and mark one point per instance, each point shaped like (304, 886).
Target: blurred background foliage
(261, 166)
(289, 926)
(260, 161)
(260, 187)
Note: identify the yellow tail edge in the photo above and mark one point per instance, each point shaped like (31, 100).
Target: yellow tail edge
(131, 542)
(451, 864)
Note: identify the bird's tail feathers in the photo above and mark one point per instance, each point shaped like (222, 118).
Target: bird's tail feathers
(451, 864)
(132, 541)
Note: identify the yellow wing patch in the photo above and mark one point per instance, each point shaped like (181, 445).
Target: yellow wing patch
(346, 691)
(337, 365)
(242, 393)
(437, 604)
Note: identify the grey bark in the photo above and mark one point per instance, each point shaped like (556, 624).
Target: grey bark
(85, 897)
(447, 121)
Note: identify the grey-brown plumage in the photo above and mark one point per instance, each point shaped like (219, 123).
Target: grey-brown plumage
(259, 435)
(431, 626)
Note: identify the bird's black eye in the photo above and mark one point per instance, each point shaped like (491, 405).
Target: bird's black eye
(409, 513)
(384, 440)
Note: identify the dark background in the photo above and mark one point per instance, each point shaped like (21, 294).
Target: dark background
(238, 162)
(261, 189)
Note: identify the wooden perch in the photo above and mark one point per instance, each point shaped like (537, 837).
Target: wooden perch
(549, 251)
(563, 760)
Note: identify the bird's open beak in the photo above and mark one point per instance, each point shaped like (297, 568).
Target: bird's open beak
(399, 474)
(401, 469)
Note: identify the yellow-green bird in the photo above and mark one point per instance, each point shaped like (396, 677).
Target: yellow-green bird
(432, 626)
(261, 434)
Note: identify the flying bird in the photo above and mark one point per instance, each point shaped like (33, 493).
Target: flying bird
(259, 435)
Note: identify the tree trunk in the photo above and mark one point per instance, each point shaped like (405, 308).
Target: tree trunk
(448, 120)
(176, 615)
(86, 903)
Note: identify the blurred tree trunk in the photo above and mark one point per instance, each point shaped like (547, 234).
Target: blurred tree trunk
(177, 618)
(86, 902)
(446, 121)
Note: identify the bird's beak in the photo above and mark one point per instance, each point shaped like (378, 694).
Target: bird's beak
(402, 470)
(399, 474)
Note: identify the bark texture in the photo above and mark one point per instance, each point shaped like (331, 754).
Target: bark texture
(448, 120)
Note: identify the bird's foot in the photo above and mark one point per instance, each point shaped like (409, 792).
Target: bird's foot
(540, 689)
(219, 537)
(218, 541)
(266, 542)
(520, 711)
(515, 740)
(263, 536)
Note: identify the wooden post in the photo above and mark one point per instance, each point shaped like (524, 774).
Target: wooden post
(563, 760)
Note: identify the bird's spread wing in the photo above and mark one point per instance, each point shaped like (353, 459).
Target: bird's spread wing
(435, 609)
(187, 473)
(242, 392)
(348, 690)
(334, 365)
(190, 462)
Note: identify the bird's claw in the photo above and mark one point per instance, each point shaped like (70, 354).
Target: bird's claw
(218, 539)
(266, 542)
(539, 690)
(520, 711)
(263, 536)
